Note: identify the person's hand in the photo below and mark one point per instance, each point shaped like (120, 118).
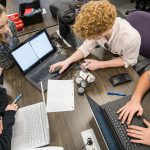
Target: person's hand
(141, 134)
(12, 107)
(1, 126)
(93, 64)
(128, 111)
(63, 65)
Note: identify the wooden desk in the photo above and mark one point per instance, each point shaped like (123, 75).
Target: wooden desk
(66, 127)
(48, 20)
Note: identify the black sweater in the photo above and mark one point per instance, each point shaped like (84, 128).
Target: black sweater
(5, 137)
(4, 100)
(8, 121)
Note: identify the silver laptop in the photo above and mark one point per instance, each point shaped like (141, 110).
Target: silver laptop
(31, 128)
(34, 56)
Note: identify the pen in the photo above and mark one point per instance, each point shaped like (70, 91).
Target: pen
(17, 98)
(116, 93)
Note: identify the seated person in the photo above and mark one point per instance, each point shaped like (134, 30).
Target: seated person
(8, 121)
(134, 106)
(97, 23)
(8, 40)
(4, 101)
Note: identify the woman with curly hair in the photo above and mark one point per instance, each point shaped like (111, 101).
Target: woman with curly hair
(97, 23)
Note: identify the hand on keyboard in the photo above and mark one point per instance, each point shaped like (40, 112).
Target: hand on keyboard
(141, 134)
(128, 111)
(56, 70)
(63, 65)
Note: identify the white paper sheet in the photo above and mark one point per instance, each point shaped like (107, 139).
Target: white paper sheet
(60, 95)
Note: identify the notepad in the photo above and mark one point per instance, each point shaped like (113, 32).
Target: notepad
(60, 95)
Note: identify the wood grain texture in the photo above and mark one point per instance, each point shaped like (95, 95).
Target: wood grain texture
(66, 127)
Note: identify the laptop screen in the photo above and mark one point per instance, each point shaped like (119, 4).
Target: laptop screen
(32, 51)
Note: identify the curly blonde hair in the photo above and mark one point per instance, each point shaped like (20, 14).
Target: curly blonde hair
(94, 19)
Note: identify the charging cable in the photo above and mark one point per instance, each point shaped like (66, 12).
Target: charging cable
(89, 142)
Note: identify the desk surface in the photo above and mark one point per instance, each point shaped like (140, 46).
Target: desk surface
(66, 127)
(48, 21)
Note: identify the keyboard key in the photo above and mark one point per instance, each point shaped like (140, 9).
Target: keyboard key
(120, 128)
(33, 116)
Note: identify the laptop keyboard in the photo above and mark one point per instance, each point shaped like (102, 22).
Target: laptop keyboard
(120, 128)
(38, 76)
(34, 126)
(41, 74)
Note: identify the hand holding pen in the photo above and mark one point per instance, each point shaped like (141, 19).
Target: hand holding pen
(17, 99)
(12, 107)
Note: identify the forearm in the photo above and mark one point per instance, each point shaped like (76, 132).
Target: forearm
(142, 86)
(117, 62)
(4, 100)
(75, 57)
(5, 137)
(8, 121)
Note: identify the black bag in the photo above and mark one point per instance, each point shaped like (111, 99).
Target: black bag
(68, 16)
(65, 19)
(62, 6)
(65, 13)
(54, 10)
(34, 17)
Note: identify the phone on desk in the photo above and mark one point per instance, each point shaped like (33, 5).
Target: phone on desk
(17, 99)
(120, 79)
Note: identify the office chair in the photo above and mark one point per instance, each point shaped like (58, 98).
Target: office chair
(140, 20)
(142, 5)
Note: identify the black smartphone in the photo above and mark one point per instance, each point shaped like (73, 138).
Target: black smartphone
(120, 79)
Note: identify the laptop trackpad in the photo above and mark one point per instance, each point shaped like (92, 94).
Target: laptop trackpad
(19, 134)
(18, 129)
